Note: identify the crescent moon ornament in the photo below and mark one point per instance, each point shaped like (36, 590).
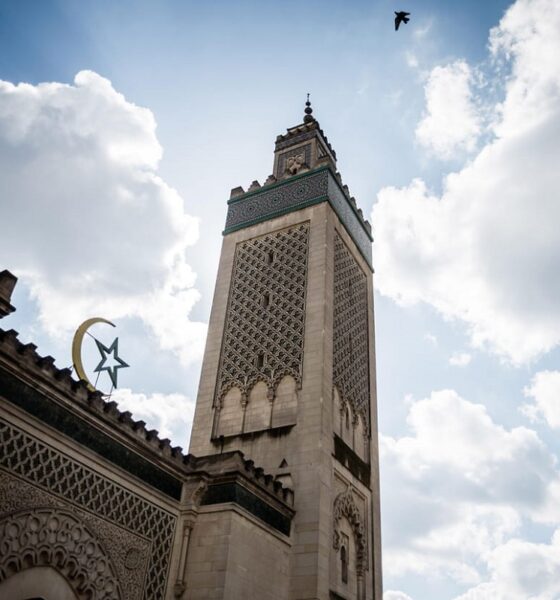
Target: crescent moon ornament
(77, 348)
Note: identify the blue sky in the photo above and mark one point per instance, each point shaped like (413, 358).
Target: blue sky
(116, 161)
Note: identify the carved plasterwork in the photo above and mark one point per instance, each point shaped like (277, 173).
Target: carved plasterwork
(293, 161)
(263, 334)
(54, 537)
(129, 553)
(345, 507)
(100, 503)
(351, 332)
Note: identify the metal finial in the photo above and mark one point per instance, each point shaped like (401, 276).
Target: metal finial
(308, 112)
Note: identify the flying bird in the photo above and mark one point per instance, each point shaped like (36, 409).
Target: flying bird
(400, 18)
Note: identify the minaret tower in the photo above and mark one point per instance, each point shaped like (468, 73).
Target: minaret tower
(288, 375)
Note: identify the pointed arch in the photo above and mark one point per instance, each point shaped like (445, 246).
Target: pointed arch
(257, 413)
(345, 506)
(284, 408)
(229, 414)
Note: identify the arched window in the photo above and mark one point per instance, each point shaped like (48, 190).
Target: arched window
(344, 564)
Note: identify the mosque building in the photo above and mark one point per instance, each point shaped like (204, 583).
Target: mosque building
(278, 497)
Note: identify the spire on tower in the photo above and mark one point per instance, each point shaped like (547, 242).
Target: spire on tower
(308, 112)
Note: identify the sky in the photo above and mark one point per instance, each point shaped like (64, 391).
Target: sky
(123, 127)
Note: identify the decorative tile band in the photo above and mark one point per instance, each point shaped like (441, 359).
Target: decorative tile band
(294, 194)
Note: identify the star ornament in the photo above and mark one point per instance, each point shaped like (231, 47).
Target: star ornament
(117, 363)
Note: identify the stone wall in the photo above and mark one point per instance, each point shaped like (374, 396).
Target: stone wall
(231, 555)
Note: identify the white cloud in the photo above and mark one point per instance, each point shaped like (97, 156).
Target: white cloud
(392, 595)
(451, 123)
(89, 225)
(460, 359)
(521, 570)
(430, 337)
(459, 486)
(170, 414)
(487, 250)
(545, 391)
(411, 59)
(423, 28)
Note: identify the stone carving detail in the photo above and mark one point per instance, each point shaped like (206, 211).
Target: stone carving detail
(263, 334)
(17, 495)
(55, 537)
(351, 332)
(345, 506)
(36, 462)
(293, 161)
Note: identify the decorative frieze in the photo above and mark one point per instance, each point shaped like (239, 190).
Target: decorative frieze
(295, 193)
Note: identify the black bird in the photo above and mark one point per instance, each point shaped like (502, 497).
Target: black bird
(400, 18)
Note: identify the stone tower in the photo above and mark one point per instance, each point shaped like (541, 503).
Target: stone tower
(288, 375)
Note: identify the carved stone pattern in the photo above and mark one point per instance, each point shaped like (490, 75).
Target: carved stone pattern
(17, 495)
(345, 506)
(351, 331)
(305, 150)
(267, 203)
(34, 461)
(350, 219)
(55, 537)
(275, 331)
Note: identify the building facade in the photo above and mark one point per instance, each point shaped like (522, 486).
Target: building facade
(278, 498)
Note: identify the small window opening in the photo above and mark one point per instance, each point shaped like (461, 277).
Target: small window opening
(344, 564)
(270, 257)
(260, 360)
(265, 300)
(347, 416)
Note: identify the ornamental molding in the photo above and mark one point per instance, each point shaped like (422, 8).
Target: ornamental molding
(55, 537)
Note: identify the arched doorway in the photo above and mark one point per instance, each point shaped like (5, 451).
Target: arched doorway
(37, 583)
(55, 543)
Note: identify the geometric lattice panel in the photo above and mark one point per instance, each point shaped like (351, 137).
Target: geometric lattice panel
(46, 467)
(263, 334)
(351, 331)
